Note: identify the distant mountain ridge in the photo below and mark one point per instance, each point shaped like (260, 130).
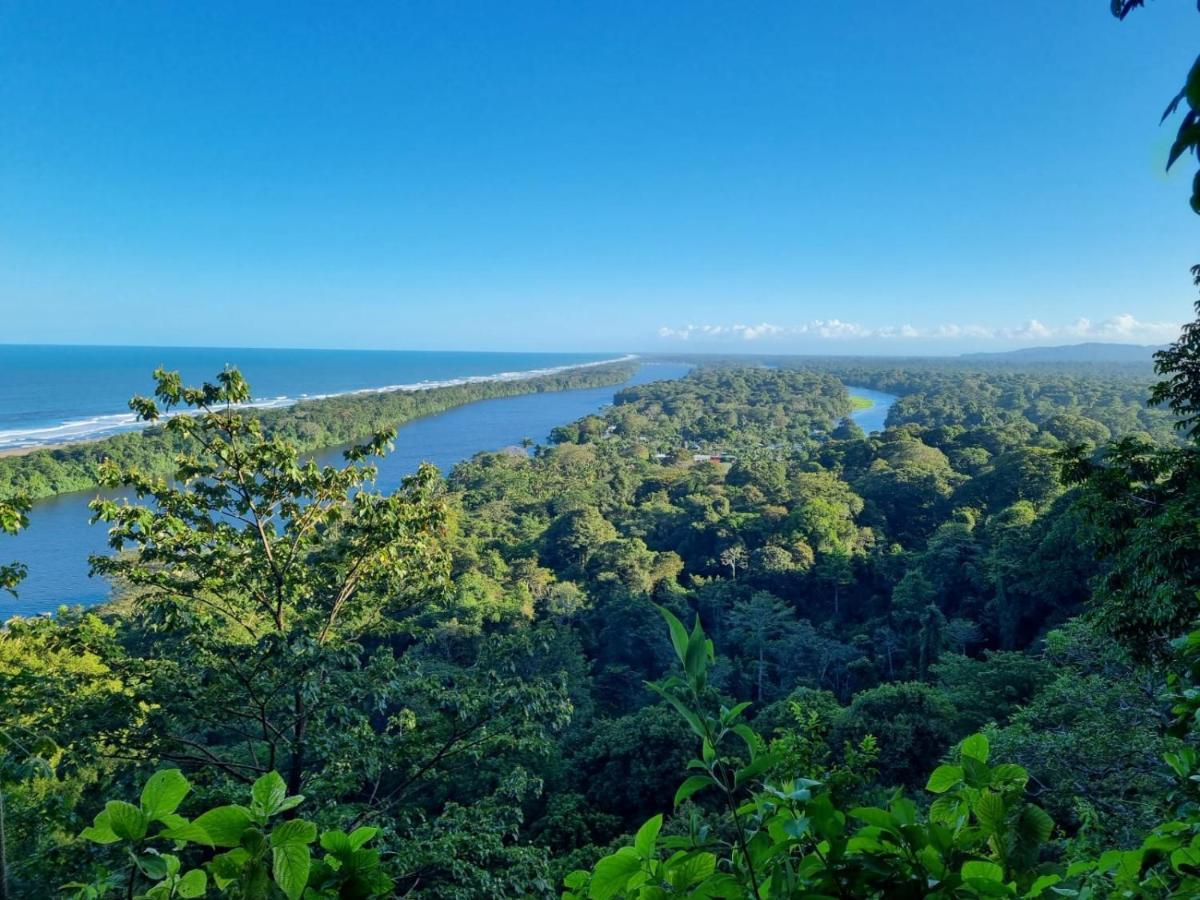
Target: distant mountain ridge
(1092, 351)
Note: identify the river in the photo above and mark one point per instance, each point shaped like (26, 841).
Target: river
(59, 540)
(874, 417)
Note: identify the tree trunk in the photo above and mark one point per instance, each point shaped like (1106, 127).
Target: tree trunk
(761, 665)
(296, 767)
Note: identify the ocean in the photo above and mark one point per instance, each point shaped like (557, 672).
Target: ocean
(59, 539)
(54, 394)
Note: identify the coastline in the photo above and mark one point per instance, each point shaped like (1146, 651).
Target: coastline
(133, 426)
(313, 424)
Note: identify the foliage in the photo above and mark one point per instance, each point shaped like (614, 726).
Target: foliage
(309, 425)
(981, 838)
(249, 850)
(13, 517)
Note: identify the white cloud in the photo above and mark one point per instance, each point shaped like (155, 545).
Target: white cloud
(1118, 328)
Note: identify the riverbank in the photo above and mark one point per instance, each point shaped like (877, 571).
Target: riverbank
(872, 416)
(312, 424)
(59, 539)
(858, 403)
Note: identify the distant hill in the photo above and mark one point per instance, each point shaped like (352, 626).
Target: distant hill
(1094, 351)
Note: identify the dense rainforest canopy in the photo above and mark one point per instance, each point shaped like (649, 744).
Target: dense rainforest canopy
(309, 425)
(471, 682)
(714, 641)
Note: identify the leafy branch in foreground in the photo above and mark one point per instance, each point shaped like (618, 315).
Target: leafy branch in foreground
(981, 836)
(239, 850)
(1187, 138)
(13, 517)
(264, 571)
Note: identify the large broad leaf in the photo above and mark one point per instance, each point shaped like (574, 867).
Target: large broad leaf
(100, 831)
(126, 820)
(983, 870)
(879, 818)
(225, 825)
(612, 873)
(163, 793)
(989, 810)
(647, 836)
(290, 864)
(188, 833)
(297, 831)
(692, 785)
(193, 884)
(944, 778)
(269, 792)
(976, 747)
(690, 869)
(1033, 829)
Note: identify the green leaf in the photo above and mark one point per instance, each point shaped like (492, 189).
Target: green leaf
(612, 873)
(754, 769)
(226, 867)
(1186, 139)
(576, 879)
(1039, 886)
(153, 866)
(879, 818)
(691, 869)
(679, 639)
(163, 793)
(269, 792)
(290, 864)
(697, 652)
(689, 716)
(975, 746)
(944, 778)
(361, 835)
(647, 836)
(983, 870)
(100, 831)
(989, 810)
(224, 825)
(126, 820)
(297, 831)
(691, 786)
(193, 884)
(187, 833)
(732, 714)
(1034, 827)
(1191, 88)
(746, 733)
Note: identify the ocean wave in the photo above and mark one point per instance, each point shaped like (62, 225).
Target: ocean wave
(98, 426)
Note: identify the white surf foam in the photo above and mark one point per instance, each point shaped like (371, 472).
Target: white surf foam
(104, 425)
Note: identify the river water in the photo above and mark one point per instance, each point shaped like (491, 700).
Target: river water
(873, 418)
(59, 540)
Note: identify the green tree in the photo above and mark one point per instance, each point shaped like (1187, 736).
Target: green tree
(263, 572)
(912, 723)
(760, 626)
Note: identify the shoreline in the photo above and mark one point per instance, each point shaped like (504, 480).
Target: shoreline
(286, 402)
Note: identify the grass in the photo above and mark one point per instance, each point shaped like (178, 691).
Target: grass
(858, 403)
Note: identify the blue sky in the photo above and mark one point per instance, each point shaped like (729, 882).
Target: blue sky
(839, 177)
